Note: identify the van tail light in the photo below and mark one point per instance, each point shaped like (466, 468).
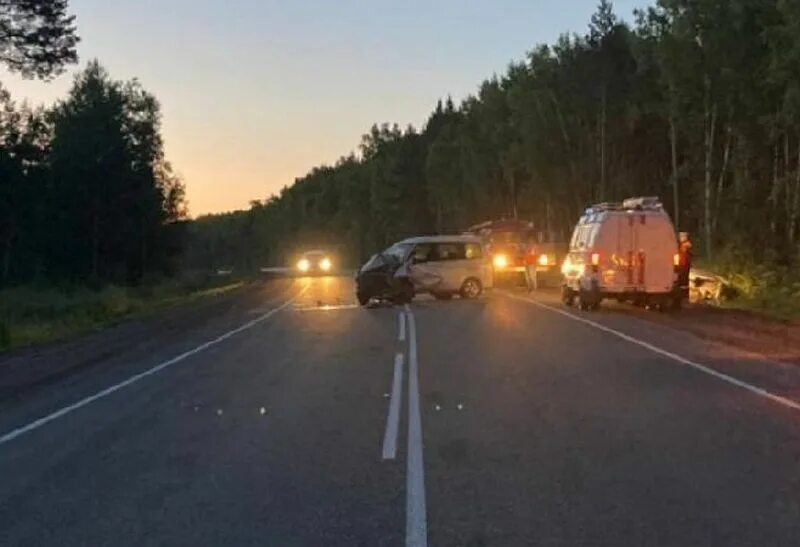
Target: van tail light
(595, 262)
(676, 259)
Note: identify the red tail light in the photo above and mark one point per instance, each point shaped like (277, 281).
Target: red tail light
(676, 259)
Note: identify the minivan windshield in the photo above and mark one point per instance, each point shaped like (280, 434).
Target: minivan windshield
(397, 252)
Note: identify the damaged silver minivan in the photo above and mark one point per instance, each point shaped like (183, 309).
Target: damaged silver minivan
(442, 266)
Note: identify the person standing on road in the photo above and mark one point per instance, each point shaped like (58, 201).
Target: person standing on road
(531, 258)
(685, 262)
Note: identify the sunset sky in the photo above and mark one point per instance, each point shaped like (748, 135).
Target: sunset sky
(256, 92)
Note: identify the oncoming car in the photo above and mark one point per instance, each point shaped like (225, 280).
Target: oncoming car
(442, 266)
(314, 262)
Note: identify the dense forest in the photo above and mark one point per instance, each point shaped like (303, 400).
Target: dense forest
(695, 101)
(86, 195)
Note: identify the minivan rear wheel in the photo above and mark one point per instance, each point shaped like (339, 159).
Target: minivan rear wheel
(471, 288)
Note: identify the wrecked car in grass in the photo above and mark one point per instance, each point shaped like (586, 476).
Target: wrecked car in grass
(442, 266)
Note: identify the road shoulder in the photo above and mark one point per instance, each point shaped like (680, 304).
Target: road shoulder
(29, 369)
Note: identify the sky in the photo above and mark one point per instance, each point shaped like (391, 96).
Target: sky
(255, 93)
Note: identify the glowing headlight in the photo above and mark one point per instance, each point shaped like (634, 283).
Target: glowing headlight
(303, 265)
(325, 264)
(568, 268)
(544, 260)
(500, 261)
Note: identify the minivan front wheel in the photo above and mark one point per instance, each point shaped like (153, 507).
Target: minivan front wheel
(404, 293)
(471, 288)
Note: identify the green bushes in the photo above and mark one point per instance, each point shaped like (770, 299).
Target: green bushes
(31, 314)
(761, 285)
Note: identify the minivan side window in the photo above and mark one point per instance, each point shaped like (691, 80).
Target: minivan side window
(423, 253)
(472, 251)
(450, 251)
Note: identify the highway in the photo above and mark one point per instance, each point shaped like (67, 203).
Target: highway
(296, 418)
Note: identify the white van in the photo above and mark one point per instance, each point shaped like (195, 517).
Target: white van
(627, 251)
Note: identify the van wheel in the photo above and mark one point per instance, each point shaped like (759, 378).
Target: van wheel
(471, 288)
(675, 301)
(363, 298)
(442, 295)
(587, 301)
(567, 296)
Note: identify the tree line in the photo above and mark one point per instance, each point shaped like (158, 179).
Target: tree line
(696, 102)
(86, 195)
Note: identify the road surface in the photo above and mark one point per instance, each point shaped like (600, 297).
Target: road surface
(299, 419)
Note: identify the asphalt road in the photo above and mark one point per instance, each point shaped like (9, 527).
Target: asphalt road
(299, 419)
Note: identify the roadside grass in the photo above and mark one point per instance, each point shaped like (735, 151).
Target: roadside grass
(40, 314)
(772, 303)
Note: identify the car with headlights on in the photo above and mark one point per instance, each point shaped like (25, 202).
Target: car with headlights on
(314, 262)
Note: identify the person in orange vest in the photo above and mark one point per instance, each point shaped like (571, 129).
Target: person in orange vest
(531, 258)
(684, 262)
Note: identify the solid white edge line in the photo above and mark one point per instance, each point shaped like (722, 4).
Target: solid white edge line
(401, 335)
(393, 419)
(655, 349)
(10, 436)
(416, 518)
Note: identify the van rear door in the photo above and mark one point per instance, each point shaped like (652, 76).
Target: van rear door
(626, 252)
(658, 244)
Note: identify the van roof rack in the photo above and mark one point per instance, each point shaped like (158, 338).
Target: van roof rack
(651, 203)
(644, 203)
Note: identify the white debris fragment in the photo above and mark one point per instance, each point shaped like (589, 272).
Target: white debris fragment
(438, 408)
(460, 406)
(219, 412)
(262, 410)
